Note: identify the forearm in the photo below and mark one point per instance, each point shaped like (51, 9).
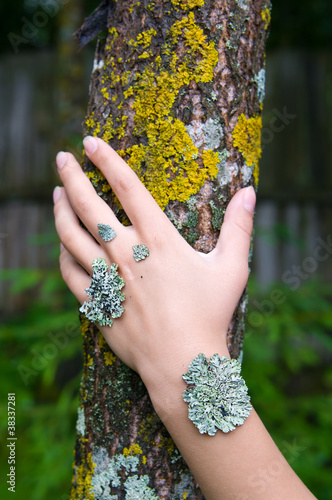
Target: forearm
(243, 464)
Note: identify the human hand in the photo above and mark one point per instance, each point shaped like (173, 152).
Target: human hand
(179, 302)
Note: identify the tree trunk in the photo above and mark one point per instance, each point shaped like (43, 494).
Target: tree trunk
(177, 90)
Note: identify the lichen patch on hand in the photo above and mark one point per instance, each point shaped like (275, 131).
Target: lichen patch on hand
(106, 232)
(217, 394)
(141, 252)
(105, 294)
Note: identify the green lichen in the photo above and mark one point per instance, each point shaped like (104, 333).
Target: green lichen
(243, 4)
(191, 236)
(217, 216)
(120, 470)
(223, 177)
(80, 424)
(259, 79)
(106, 232)
(191, 219)
(217, 394)
(208, 134)
(141, 252)
(174, 219)
(137, 489)
(105, 294)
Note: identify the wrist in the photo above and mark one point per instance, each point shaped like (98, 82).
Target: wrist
(164, 380)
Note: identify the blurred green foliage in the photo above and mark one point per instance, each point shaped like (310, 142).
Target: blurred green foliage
(287, 365)
(40, 360)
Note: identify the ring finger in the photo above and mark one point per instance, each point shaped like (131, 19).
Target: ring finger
(80, 244)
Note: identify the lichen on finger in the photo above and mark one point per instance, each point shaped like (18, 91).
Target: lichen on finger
(141, 252)
(105, 294)
(106, 232)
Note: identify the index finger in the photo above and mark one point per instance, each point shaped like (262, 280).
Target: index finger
(141, 208)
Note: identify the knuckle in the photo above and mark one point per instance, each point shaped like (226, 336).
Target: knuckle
(123, 184)
(67, 237)
(82, 204)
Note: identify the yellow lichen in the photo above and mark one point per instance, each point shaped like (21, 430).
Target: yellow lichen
(143, 39)
(247, 138)
(89, 361)
(93, 126)
(167, 161)
(102, 342)
(188, 4)
(98, 180)
(82, 477)
(210, 161)
(105, 93)
(109, 358)
(266, 16)
(85, 324)
(256, 174)
(134, 449)
(168, 164)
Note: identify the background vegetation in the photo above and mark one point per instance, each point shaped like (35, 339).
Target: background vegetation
(288, 350)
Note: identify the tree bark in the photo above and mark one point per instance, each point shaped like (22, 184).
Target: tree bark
(177, 89)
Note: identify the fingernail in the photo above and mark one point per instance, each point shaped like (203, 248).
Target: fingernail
(61, 159)
(56, 194)
(90, 144)
(249, 199)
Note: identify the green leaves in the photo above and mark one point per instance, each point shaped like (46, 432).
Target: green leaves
(287, 366)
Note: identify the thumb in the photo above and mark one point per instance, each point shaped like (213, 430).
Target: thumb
(236, 230)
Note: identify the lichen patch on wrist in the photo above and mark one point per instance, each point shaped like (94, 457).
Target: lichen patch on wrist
(106, 232)
(217, 394)
(141, 252)
(105, 294)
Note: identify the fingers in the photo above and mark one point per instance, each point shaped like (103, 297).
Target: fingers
(74, 276)
(139, 205)
(72, 235)
(88, 206)
(235, 235)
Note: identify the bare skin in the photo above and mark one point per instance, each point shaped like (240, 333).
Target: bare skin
(181, 307)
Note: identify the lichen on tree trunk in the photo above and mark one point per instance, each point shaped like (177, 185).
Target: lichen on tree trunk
(177, 89)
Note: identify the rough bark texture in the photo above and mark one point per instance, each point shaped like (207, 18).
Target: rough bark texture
(177, 90)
